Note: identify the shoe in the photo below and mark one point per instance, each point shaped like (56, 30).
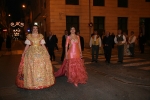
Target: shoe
(75, 84)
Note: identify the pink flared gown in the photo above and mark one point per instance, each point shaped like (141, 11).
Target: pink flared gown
(73, 67)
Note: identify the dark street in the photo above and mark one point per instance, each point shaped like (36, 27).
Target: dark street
(114, 81)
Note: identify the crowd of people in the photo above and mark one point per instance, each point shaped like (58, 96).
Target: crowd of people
(125, 44)
(36, 72)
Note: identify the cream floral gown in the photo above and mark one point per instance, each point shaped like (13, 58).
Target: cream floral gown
(35, 70)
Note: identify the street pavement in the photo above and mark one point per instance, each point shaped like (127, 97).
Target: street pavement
(127, 81)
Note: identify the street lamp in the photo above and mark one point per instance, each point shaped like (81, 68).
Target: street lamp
(23, 6)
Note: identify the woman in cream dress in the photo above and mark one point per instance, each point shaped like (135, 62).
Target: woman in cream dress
(35, 70)
(126, 45)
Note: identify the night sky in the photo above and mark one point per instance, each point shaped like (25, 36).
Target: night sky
(14, 7)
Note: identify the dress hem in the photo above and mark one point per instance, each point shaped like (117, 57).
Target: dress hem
(38, 88)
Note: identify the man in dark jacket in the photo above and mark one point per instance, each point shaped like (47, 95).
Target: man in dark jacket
(142, 41)
(50, 44)
(113, 36)
(63, 45)
(81, 41)
(1, 41)
(56, 46)
(107, 45)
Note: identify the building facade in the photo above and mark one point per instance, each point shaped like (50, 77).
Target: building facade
(90, 15)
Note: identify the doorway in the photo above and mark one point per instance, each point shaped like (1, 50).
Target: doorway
(145, 27)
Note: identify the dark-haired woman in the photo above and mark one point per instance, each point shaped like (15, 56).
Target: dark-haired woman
(35, 70)
(73, 65)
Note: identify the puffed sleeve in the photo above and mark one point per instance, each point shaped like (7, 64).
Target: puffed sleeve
(27, 42)
(43, 41)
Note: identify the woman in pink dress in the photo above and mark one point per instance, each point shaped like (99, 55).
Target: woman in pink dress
(73, 65)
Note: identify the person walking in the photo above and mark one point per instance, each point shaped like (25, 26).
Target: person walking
(120, 40)
(35, 70)
(95, 44)
(63, 45)
(51, 44)
(73, 66)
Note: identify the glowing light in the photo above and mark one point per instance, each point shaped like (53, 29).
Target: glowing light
(17, 24)
(5, 30)
(35, 23)
(28, 30)
(23, 6)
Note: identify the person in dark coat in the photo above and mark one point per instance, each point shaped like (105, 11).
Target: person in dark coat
(142, 41)
(50, 44)
(8, 42)
(81, 41)
(113, 36)
(107, 45)
(63, 45)
(1, 41)
(56, 46)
